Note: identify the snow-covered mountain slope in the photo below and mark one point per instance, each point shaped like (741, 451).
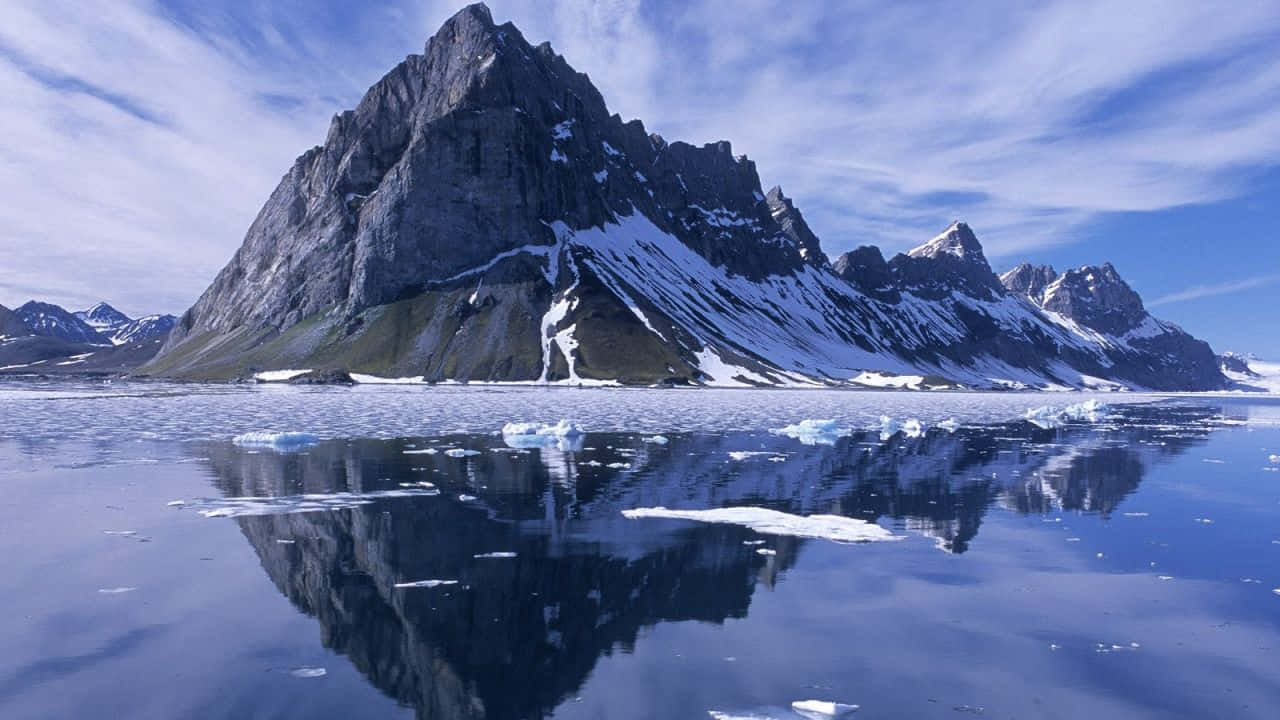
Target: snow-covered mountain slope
(45, 338)
(482, 216)
(53, 321)
(1250, 374)
(104, 318)
(151, 327)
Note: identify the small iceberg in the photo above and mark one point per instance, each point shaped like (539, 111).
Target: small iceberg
(424, 584)
(308, 672)
(281, 441)
(489, 555)
(814, 432)
(1274, 458)
(950, 425)
(889, 427)
(773, 522)
(823, 709)
(424, 451)
(656, 440)
(1049, 417)
(766, 551)
(564, 435)
(460, 453)
(740, 455)
(116, 590)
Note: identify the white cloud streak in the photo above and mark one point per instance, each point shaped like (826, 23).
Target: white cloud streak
(1204, 291)
(884, 120)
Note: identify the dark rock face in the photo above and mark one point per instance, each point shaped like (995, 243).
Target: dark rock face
(323, 377)
(952, 260)
(52, 321)
(480, 215)
(867, 271)
(1097, 298)
(792, 223)
(1030, 280)
(11, 325)
(1231, 362)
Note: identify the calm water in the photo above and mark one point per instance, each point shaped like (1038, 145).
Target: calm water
(1125, 568)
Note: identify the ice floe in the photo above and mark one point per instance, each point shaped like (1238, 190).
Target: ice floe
(466, 498)
(116, 590)
(950, 425)
(488, 555)
(1274, 458)
(823, 709)
(766, 551)
(564, 435)
(231, 507)
(775, 522)
(461, 453)
(424, 583)
(278, 375)
(889, 427)
(1048, 416)
(657, 440)
(814, 432)
(275, 440)
(309, 672)
(424, 451)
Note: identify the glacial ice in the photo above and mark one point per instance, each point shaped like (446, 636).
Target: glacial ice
(282, 441)
(814, 432)
(823, 709)
(1047, 416)
(564, 435)
(774, 522)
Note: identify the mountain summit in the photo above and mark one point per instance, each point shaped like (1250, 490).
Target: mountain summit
(481, 215)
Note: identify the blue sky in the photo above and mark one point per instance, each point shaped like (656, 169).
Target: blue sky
(136, 146)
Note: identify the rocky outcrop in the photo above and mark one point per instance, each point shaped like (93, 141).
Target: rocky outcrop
(52, 321)
(480, 215)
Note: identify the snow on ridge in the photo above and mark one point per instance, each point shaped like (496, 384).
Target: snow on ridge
(775, 522)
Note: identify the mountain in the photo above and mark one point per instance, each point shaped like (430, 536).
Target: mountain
(52, 321)
(103, 318)
(480, 215)
(11, 325)
(151, 327)
(45, 338)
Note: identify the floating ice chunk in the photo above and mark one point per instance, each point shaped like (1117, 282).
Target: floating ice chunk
(501, 554)
(619, 466)
(1274, 458)
(1137, 514)
(717, 715)
(423, 484)
(823, 709)
(753, 542)
(119, 532)
(278, 375)
(1165, 578)
(766, 551)
(1205, 521)
(424, 451)
(466, 498)
(950, 425)
(282, 441)
(774, 522)
(176, 503)
(116, 590)
(1276, 591)
(913, 428)
(283, 541)
(461, 453)
(657, 440)
(309, 672)
(814, 432)
(1089, 411)
(564, 435)
(425, 583)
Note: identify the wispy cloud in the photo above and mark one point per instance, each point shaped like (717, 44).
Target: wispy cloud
(1204, 291)
(137, 145)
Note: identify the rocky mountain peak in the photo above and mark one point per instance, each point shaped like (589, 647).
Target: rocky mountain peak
(53, 321)
(1030, 280)
(957, 241)
(11, 325)
(103, 318)
(951, 261)
(789, 218)
(1096, 297)
(865, 269)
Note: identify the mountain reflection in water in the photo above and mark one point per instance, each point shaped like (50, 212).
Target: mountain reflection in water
(518, 636)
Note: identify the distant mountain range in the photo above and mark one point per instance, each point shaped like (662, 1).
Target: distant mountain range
(481, 216)
(42, 337)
